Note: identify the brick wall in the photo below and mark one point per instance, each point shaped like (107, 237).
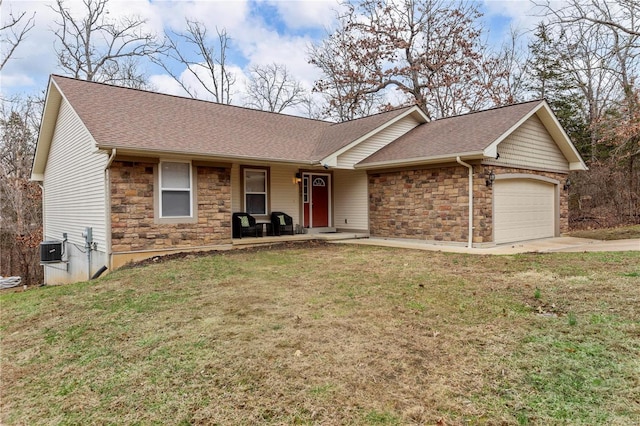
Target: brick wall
(133, 222)
(433, 203)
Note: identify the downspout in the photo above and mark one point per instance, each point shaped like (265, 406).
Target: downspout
(470, 167)
(107, 194)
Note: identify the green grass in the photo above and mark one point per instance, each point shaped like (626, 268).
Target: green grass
(331, 334)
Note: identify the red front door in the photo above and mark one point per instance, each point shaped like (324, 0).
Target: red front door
(316, 202)
(320, 201)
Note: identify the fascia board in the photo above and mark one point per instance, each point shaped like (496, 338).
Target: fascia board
(491, 150)
(189, 155)
(332, 159)
(554, 128)
(50, 129)
(421, 160)
(561, 138)
(53, 100)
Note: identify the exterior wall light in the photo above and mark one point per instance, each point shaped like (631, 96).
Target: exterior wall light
(490, 179)
(567, 184)
(297, 179)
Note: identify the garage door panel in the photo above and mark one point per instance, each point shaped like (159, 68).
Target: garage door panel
(523, 210)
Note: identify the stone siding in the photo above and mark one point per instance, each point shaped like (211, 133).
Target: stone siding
(133, 220)
(427, 204)
(433, 203)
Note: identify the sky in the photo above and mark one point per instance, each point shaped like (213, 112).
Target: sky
(261, 31)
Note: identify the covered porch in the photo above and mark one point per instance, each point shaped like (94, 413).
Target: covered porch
(320, 200)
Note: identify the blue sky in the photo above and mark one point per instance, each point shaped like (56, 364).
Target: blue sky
(262, 32)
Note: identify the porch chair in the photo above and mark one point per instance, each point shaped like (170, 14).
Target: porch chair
(281, 223)
(244, 225)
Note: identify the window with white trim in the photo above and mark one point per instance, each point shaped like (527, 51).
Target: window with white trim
(175, 189)
(255, 191)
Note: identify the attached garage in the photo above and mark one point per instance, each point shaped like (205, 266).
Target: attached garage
(524, 209)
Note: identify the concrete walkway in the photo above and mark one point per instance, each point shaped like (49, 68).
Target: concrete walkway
(547, 245)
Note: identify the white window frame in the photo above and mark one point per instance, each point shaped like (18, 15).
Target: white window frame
(266, 190)
(163, 190)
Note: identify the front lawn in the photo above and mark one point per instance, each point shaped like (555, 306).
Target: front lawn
(331, 334)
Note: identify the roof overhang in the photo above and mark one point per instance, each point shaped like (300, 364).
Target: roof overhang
(53, 100)
(447, 158)
(551, 123)
(185, 155)
(332, 159)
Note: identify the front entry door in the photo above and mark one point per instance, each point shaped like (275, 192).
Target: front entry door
(316, 208)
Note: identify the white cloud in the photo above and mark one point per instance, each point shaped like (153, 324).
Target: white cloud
(519, 14)
(213, 14)
(306, 14)
(255, 40)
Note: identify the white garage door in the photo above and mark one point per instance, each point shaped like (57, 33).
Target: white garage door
(523, 209)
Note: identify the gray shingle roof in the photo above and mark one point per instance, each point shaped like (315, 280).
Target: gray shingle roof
(132, 119)
(469, 133)
(137, 120)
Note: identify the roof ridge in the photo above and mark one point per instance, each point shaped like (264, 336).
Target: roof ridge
(394, 109)
(490, 109)
(151, 92)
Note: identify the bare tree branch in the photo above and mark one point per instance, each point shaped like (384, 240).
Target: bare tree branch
(272, 88)
(209, 67)
(429, 51)
(620, 15)
(20, 199)
(96, 48)
(12, 33)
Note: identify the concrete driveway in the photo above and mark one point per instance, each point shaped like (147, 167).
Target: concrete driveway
(547, 245)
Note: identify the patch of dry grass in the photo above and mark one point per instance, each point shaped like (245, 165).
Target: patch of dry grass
(620, 233)
(331, 334)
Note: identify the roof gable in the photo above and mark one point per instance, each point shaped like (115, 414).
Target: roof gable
(472, 136)
(377, 131)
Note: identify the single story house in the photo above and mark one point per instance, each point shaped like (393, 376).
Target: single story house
(129, 174)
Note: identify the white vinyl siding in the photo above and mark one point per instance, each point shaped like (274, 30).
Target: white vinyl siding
(524, 209)
(74, 195)
(351, 208)
(285, 193)
(531, 146)
(368, 147)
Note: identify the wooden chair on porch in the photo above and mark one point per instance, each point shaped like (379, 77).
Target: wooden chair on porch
(281, 223)
(244, 225)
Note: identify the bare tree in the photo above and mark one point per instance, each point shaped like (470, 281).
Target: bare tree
(96, 48)
(428, 50)
(619, 15)
(513, 63)
(20, 199)
(271, 88)
(600, 47)
(12, 32)
(208, 69)
(346, 98)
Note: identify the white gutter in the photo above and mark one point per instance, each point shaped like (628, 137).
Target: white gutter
(111, 157)
(470, 167)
